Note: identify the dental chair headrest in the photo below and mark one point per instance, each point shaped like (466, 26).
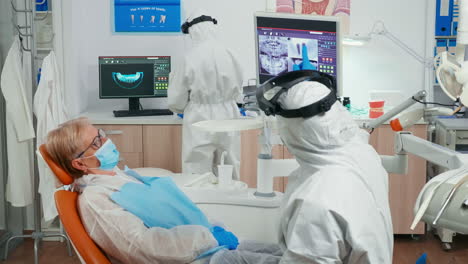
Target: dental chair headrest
(60, 173)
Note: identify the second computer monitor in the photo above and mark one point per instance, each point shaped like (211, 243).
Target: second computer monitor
(280, 39)
(134, 77)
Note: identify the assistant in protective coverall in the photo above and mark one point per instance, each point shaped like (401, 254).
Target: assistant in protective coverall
(206, 87)
(335, 208)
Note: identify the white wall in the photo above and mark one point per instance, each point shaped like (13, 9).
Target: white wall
(380, 65)
(88, 34)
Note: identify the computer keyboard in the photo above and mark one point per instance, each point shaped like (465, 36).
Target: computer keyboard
(145, 112)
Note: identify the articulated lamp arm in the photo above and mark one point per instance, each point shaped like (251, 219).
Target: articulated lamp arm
(396, 110)
(405, 143)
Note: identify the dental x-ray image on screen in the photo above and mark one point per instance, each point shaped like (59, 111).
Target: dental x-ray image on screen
(278, 54)
(133, 76)
(127, 79)
(282, 39)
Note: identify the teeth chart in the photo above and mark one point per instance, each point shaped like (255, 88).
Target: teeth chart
(147, 16)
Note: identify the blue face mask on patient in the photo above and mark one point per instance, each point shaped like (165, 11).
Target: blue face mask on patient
(108, 155)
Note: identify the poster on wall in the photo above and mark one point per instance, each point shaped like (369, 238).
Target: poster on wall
(147, 15)
(341, 8)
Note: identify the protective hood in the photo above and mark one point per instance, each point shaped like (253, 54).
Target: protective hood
(339, 194)
(201, 31)
(322, 138)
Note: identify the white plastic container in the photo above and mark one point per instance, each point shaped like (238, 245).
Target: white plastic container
(225, 175)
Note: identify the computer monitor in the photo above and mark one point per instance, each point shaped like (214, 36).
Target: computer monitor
(133, 77)
(279, 39)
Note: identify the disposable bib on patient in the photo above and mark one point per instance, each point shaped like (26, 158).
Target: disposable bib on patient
(158, 202)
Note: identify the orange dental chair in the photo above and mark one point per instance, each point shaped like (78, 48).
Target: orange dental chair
(66, 203)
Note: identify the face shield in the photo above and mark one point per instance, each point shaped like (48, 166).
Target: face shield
(269, 93)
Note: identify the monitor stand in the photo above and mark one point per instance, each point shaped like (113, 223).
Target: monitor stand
(134, 110)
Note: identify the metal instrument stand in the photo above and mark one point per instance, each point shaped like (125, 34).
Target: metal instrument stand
(37, 235)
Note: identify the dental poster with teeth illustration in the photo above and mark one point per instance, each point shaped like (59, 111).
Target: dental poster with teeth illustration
(147, 15)
(340, 8)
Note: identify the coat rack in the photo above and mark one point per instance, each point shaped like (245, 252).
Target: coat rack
(30, 36)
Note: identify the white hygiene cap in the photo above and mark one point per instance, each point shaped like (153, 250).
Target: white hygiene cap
(201, 31)
(303, 94)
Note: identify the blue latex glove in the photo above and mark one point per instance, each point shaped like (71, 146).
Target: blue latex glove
(180, 115)
(242, 111)
(225, 238)
(422, 259)
(158, 202)
(305, 64)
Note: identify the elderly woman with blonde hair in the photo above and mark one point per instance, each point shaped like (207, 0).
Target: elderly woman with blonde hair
(91, 159)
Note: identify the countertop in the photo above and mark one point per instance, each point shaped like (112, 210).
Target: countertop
(107, 118)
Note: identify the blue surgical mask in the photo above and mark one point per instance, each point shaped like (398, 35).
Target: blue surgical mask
(108, 155)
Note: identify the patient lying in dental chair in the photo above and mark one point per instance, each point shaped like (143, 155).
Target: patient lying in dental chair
(137, 219)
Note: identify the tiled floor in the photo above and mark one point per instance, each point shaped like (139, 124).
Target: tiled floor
(406, 250)
(49, 253)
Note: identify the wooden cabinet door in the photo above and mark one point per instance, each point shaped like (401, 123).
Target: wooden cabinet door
(286, 155)
(404, 189)
(249, 153)
(162, 147)
(127, 138)
(129, 141)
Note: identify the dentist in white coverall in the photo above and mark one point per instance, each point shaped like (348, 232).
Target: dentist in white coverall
(206, 87)
(336, 207)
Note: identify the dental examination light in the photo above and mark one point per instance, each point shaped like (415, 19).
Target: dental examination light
(452, 72)
(435, 204)
(452, 75)
(379, 29)
(356, 40)
(412, 117)
(442, 203)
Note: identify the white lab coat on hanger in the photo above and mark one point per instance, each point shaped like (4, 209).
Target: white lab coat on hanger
(49, 108)
(19, 126)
